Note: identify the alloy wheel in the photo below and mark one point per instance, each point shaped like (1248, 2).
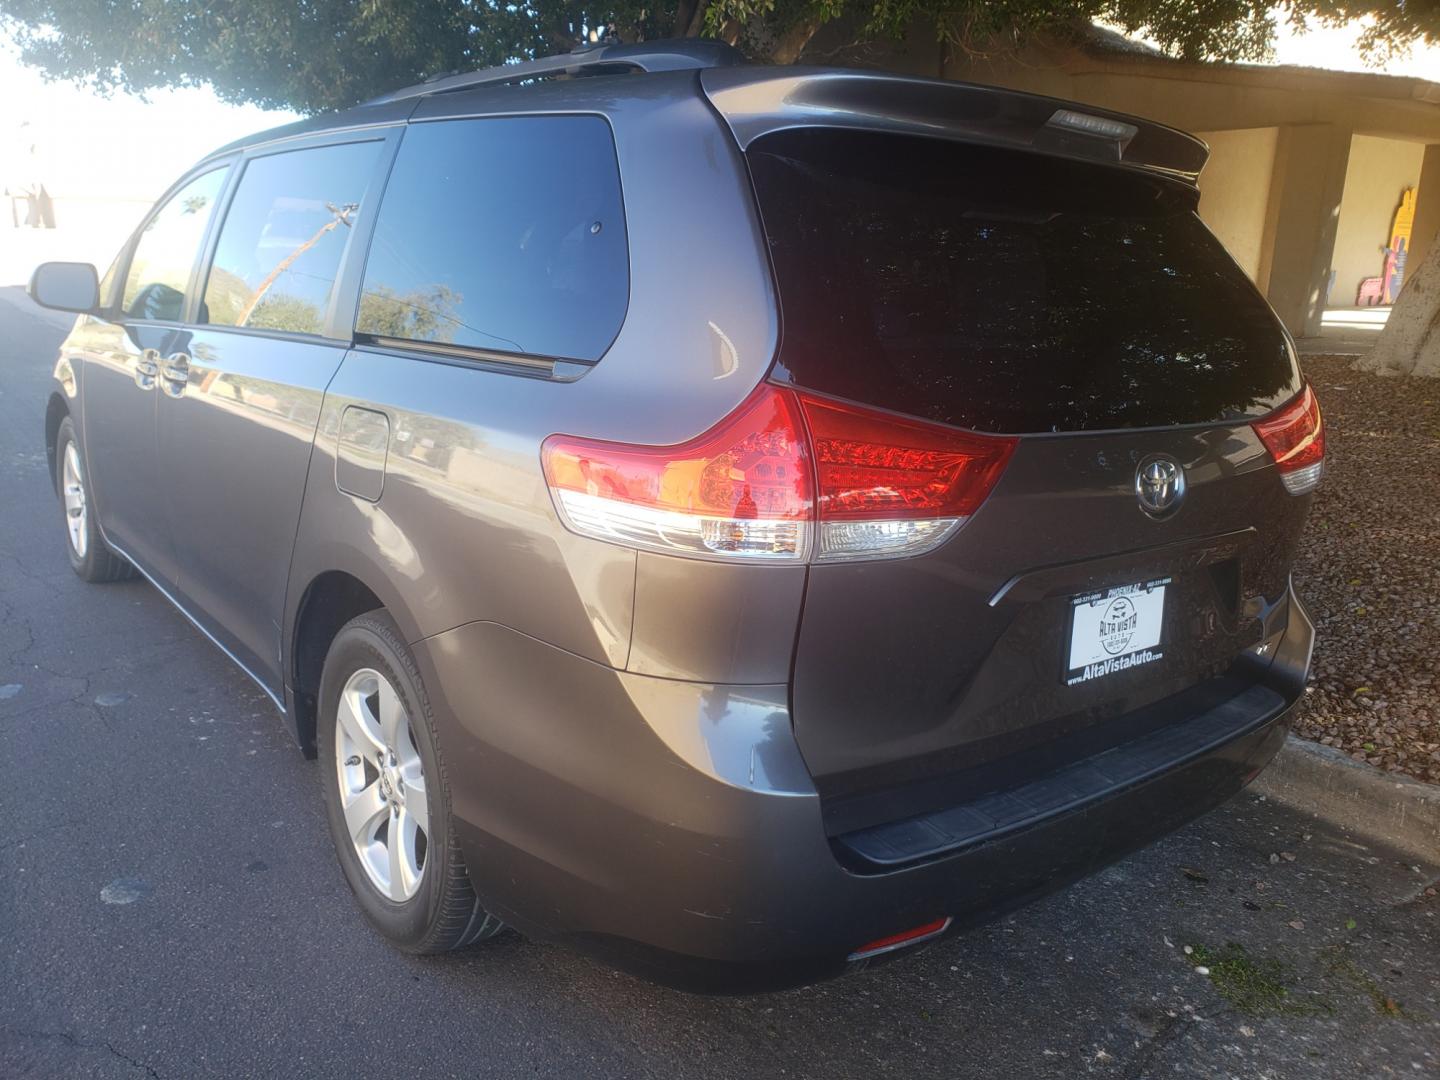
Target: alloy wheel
(72, 484)
(382, 785)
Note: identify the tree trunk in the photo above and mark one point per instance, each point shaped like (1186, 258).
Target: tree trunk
(697, 20)
(792, 42)
(684, 12)
(342, 216)
(1410, 342)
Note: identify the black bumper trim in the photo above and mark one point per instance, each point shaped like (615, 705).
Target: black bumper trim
(898, 843)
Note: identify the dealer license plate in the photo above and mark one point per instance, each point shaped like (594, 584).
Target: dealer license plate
(1115, 630)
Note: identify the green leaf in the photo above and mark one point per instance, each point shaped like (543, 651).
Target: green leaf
(328, 54)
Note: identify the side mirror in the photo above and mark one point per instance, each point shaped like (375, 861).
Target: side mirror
(66, 286)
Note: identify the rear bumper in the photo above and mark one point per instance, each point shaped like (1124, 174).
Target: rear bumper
(671, 828)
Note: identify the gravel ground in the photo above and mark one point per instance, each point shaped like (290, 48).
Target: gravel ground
(1369, 570)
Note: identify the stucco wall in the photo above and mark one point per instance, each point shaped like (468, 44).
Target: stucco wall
(1379, 170)
(1235, 188)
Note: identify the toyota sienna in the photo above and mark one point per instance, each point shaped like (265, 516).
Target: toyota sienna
(737, 521)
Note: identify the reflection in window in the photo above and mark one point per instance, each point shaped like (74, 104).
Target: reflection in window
(1009, 291)
(502, 234)
(284, 236)
(423, 314)
(160, 268)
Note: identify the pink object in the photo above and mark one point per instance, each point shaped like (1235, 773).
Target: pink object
(1372, 289)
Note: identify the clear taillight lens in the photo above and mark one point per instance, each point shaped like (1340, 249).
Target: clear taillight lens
(1295, 436)
(785, 477)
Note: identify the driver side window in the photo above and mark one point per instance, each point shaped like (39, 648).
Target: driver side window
(160, 268)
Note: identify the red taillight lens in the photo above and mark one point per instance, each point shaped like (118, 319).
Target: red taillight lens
(872, 466)
(1295, 436)
(757, 483)
(742, 488)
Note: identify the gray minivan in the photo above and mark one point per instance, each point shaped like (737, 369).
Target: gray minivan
(739, 521)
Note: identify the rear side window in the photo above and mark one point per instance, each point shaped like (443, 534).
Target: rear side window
(165, 254)
(1007, 291)
(284, 236)
(503, 235)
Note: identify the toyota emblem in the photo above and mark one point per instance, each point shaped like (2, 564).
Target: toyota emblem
(1159, 485)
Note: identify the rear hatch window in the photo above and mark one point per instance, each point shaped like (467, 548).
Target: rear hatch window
(1007, 291)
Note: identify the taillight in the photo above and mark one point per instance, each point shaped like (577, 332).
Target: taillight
(890, 486)
(741, 489)
(756, 485)
(1295, 436)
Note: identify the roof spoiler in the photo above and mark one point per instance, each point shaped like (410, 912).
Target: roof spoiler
(685, 54)
(758, 100)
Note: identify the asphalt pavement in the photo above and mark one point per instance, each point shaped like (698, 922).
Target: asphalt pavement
(170, 905)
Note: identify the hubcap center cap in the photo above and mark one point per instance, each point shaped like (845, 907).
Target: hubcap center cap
(392, 788)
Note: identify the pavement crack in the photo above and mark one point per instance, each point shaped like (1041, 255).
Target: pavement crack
(1171, 1031)
(131, 1061)
(84, 1044)
(79, 700)
(46, 583)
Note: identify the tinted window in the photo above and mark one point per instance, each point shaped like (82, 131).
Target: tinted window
(160, 268)
(284, 236)
(1007, 291)
(505, 235)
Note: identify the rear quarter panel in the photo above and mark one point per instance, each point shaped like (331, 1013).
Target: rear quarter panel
(465, 530)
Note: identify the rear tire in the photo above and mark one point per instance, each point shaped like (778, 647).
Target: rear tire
(386, 796)
(90, 557)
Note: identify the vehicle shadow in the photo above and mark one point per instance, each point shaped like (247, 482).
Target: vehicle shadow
(1095, 979)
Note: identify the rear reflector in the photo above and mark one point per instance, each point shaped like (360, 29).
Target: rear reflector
(757, 485)
(1295, 436)
(900, 941)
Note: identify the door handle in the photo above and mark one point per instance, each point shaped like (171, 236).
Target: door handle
(175, 373)
(147, 366)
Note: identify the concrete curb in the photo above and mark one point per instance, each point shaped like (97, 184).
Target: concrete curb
(1332, 785)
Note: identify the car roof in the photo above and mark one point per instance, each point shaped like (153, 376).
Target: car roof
(757, 99)
(603, 59)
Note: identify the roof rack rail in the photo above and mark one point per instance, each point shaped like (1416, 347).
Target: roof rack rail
(683, 54)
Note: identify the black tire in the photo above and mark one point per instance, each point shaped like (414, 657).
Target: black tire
(99, 564)
(444, 912)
